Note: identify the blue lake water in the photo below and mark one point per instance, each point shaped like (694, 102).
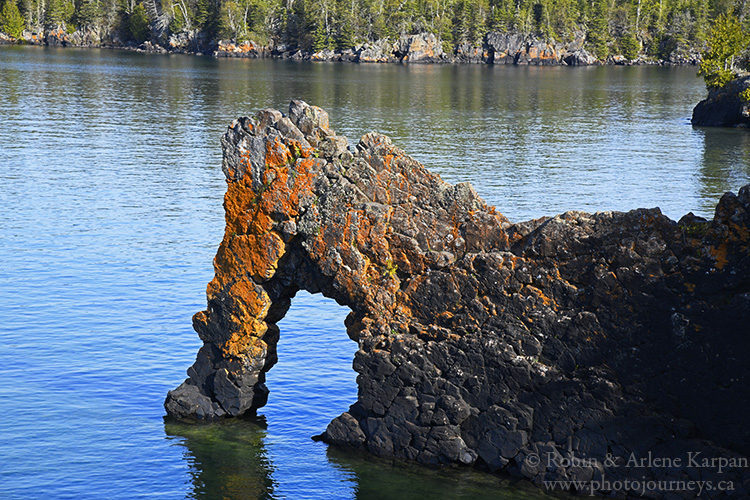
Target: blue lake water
(110, 214)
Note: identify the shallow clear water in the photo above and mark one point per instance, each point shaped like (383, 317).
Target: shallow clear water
(110, 214)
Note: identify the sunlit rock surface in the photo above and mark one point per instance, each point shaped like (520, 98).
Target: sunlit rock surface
(481, 341)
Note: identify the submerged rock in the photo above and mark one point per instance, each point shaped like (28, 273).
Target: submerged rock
(541, 348)
(724, 107)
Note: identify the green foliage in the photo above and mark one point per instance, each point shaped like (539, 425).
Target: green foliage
(321, 39)
(11, 21)
(745, 95)
(200, 12)
(55, 14)
(346, 38)
(138, 24)
(629, 46)
(728, 38)
(661, 28)
(87, 14)
(598, 36)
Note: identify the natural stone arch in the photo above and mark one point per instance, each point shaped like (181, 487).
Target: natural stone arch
(481, 341)
(279, 238)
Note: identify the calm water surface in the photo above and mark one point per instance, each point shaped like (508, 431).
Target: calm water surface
(110, 214)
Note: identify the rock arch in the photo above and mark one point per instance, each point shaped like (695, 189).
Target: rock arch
(480, 341)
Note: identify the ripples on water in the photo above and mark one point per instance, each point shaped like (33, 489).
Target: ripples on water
(110, 213)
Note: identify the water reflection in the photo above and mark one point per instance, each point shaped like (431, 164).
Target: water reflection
(725, 162)
(226, 459)
(229, 459)
(378, 478)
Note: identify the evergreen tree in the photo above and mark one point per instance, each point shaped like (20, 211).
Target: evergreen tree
(727, 40)
(138, 24)
(201, 13)
(11, 21)
(629, 45)
(598, 35)
(346, 38)
(87, 13)
(321, 40)
(54, 17)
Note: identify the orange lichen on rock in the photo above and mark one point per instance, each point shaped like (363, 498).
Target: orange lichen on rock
(480, 340)
(719, 254)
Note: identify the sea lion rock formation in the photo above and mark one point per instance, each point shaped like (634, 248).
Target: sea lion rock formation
(520, 347)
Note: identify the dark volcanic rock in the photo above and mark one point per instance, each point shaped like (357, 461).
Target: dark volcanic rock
(724, 107)
(540, 348)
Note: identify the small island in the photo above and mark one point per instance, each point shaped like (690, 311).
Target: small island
(724, 67)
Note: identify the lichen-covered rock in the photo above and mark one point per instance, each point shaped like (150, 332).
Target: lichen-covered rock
(503, 48)
(539, 53)
(517, 347)
(724, 107)
(468, 53)
(247, 49)
(380, 51)
(57, 38)
(522, 50)
(421, 48)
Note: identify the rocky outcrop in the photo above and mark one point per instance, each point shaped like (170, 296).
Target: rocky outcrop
(725, 107)
(194, 42)
(468, 53)
(514, 48)
(421, 48)
(554, 349)
(381, 51)
(579, 58)
(243, 49)
(523, 50)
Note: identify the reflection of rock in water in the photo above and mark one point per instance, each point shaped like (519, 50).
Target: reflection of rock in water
(378, 478)
(227, 459)
(725, 163)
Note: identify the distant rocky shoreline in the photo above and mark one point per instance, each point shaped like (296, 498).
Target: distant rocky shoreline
(425, 48)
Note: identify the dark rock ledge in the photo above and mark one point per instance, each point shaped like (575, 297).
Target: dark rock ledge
(481, 341)
(724, 107)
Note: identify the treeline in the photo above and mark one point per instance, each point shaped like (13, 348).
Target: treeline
(629, 27)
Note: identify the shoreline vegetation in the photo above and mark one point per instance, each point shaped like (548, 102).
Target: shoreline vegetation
(521, 32)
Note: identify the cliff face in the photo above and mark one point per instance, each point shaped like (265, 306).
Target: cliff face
(724, 107)
(481, 341)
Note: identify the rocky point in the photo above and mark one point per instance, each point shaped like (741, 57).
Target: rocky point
(726, 106)
(538, 348)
